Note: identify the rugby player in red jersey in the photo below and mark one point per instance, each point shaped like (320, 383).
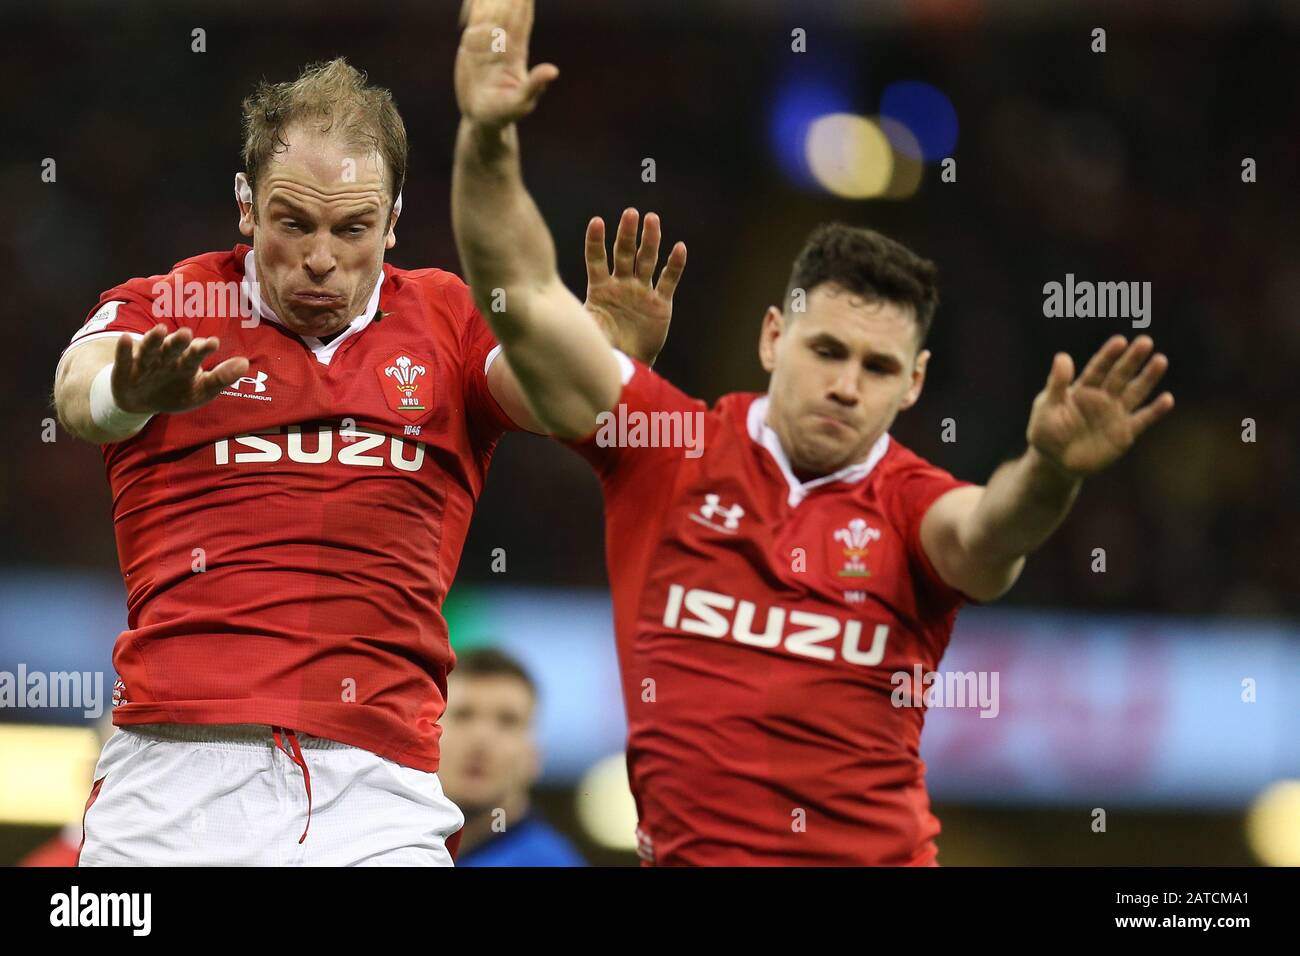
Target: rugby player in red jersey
(769, 580)
(289, 516)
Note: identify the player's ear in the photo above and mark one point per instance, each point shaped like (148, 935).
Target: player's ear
(768, 336)
(918, 380)
(244, 200)
(246, 219)
(390, 240)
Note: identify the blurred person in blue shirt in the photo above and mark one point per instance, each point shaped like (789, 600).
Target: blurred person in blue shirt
(490, 761)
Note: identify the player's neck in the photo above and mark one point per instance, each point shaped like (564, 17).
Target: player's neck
(804, 474)
(483, 824)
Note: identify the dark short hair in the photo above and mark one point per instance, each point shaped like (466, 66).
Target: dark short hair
(491, 662)
(863, 262)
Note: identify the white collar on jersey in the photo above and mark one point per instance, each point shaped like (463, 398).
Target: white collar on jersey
(324, 351)
(765, 435)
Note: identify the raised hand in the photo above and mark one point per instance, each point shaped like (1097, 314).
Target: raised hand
(494, 85)
(633, 310)
(1084, 426)
(161, 372)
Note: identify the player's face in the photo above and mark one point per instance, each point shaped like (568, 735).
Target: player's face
(840, 372)
(487, 749)
(320, 231)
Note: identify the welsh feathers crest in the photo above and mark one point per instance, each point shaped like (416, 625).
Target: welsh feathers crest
(407, 383)
(856, 538)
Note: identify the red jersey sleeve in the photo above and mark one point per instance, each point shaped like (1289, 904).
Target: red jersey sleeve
(914, 489)
(614, 448)
(112, 317)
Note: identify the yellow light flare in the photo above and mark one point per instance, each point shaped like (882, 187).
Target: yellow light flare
(1273, 824)
(849, 156)
(604, 804)
(908, 166)
(45, 773)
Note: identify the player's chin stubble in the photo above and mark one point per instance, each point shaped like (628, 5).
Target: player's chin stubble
(824, 454)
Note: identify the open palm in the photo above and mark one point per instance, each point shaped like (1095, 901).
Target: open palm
(494, 86)
(633, 309)
(1086, 425)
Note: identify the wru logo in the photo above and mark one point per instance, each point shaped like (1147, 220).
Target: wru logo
(404, 373)
(855, 538)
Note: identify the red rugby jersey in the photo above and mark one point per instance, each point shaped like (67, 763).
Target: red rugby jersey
(287, 547)
(759, 621)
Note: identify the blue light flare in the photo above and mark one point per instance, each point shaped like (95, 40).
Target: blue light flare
(799, 99)
(927, 112)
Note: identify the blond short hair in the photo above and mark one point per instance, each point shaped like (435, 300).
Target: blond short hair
(327, 97)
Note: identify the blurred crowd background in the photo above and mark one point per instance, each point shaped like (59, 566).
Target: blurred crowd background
(1123, 165)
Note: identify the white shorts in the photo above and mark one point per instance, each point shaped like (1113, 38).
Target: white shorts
(190, 795)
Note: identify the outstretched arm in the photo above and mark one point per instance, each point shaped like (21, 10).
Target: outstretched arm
(554, 348)
(977, 538)
(106, 391)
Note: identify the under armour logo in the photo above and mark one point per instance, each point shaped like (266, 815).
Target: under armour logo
(712, 508)
(258, 382)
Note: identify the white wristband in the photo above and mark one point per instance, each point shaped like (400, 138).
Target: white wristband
(104, 410)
